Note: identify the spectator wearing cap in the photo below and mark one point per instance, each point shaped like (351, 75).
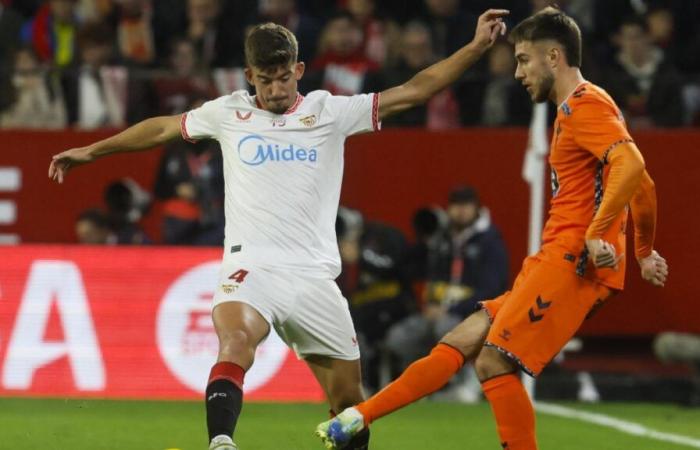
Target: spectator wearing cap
(467, 264)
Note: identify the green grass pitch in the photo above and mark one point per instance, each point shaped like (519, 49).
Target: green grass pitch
(54, 424)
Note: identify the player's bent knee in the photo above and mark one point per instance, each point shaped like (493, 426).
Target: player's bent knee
(468, 337)
(234, 344)
(491, 363)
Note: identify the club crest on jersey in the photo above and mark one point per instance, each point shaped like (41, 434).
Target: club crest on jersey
(254, 150)
(229, 288)
(308, 121)
(243, 117)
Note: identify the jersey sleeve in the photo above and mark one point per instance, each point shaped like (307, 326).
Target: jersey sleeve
(202, 122)
(597, 126)
(355, 114)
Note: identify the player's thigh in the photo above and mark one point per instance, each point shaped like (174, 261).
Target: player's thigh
(541, 314)
(340, 379)
(242, 311)
(320, 322)
(468, 336)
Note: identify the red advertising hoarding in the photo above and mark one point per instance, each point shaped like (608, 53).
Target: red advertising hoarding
(123, 323)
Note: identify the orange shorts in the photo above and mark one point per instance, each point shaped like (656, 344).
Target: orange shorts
(532, 322)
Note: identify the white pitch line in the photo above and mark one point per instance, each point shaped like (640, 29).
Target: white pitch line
(624, 426)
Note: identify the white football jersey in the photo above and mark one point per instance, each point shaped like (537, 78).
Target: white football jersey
(282, 174)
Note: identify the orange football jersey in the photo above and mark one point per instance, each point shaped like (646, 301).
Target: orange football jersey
(587, 127)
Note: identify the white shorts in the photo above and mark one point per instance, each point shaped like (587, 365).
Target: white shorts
(309, 314)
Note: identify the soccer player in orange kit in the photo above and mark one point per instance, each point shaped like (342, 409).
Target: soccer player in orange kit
(598, 175)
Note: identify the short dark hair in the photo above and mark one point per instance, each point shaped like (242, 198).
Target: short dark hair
(635, 21)
(462, 195)
(94, 216)
(554, 24)
(96, 33)
(269, 45)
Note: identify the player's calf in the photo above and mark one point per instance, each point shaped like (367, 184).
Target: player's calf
(224, 400)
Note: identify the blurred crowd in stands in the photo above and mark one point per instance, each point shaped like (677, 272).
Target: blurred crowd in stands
(109, 63)
(405, 294)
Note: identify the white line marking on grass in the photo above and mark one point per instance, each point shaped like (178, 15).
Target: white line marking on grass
(624, 426)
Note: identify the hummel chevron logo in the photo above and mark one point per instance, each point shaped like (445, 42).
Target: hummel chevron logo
(540, 305)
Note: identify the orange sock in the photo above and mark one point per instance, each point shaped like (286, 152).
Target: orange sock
(421, 378)
(515, 417)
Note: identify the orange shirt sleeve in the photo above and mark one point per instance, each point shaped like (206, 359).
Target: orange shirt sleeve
(626, 170)
(643, 206)
(597, 125)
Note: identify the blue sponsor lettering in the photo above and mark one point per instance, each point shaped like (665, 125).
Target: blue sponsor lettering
(254, 150)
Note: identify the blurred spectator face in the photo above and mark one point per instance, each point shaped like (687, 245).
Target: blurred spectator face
(27, 70)
(203, 10)
(532, 69)
(462, 215)
(62, 10)
(95, 54)
(417, 47)
(361, 9)
(26, 62)
(90, 232)
(277, 8)
(634, 43)
(343, 36)
(442, 8)
(183, 58)
(661, 26)
(133, 7)
(501, 62)
(95, 41)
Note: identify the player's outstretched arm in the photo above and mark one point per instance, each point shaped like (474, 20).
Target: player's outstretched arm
(654, 267)
(435, 78)
(626, 170)
(146, 134)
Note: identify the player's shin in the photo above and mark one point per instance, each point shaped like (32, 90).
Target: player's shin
(224, 399)
(512, 408)
(421, 378)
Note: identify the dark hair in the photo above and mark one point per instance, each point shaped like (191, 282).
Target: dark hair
(635, 21)
(551, 23)
(343, 14)
(463, 194)
(94, 216)
(95, 34)
(269, 45)
(425, 222)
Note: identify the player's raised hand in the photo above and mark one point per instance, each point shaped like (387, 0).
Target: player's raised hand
(64, 161)
(603, 254)
(654, 269)
(489, 26)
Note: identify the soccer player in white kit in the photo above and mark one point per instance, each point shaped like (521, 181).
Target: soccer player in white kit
(283, 166)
